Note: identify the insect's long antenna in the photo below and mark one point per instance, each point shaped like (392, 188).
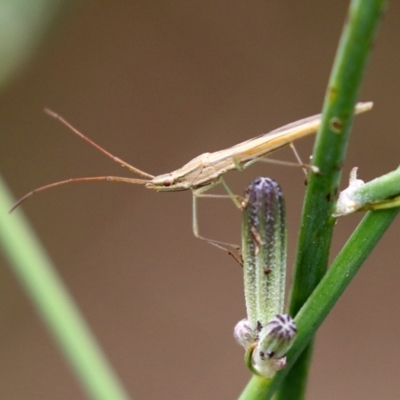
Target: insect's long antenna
(104, 151)
(73, 180)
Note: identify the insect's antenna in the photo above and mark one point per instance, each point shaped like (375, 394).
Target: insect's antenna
(104, 151)
(73, 180)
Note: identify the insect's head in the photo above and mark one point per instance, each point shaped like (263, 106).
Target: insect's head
(166, 183)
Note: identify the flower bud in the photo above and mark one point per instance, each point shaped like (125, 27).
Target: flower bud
(275, 339)
(245, 335)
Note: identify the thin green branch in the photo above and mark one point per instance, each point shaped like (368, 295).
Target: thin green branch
(330, 147)
(378, 194)
(379, 189)
(317, 222)
(36, 273)
(329, 154)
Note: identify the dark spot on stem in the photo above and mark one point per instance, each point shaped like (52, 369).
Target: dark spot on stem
(336, 191)
(336, 125)
(339, 166)
(328, 197)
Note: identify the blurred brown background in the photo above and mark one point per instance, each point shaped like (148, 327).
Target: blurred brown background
(158, 83)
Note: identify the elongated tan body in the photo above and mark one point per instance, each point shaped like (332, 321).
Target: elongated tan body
(206, 168)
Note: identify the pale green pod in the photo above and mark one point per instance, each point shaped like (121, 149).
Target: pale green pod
(264, 250)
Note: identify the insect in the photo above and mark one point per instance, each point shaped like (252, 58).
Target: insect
(206, 170)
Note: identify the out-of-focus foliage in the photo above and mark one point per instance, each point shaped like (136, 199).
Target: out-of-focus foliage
(23, 23)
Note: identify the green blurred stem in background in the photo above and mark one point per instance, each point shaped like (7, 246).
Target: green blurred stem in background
(23, 23)
(38, 276)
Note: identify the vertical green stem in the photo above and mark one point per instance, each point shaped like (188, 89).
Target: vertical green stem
(330, 147)
(329, 154)
(34, 270)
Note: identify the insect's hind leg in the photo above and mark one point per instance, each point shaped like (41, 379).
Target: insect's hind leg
(304, 166)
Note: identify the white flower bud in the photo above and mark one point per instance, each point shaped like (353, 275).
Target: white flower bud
(245, 335)
(275, 340)
(346, 203)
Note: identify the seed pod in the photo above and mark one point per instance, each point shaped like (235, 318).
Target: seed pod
(264, 251)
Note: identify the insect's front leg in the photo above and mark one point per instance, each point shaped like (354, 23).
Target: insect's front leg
(199, 192)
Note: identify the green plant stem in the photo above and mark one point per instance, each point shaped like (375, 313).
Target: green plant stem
(378, 189)
(23, 24)
(296, 375)
(330, 148)
(36, 273)
(329, 153)
(319, 304)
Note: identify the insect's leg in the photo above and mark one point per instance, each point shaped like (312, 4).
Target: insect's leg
(296, 154)
(217, 243)
(305, 167)
(230, 195)
(309, 167)
(233, 197)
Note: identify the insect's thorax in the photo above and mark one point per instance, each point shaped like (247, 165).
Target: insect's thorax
(196, 173)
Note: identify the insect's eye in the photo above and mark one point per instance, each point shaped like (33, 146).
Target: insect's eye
(167, 182)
